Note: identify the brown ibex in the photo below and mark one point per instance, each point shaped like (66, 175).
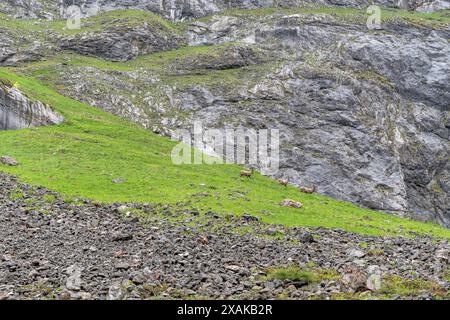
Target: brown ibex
(247, 173)
(307, 190)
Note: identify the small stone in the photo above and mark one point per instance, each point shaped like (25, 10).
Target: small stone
(374, 282)
(248, 217)
(6, 257)
(270, 285)
(73, 282)
(122, 208)
(373, 269)
(119, 180)
(232, 268)
(70, 295)
(4, 296)
(115, 292)
(356, 253)
(122, 266)
(291, 288)
(134, 220)
(138, 278)
(7, 160)
(36, 262)
(122, 236)
(359, 262)
(33, 274)
(189, 292)
(307, 238)
(442, 254)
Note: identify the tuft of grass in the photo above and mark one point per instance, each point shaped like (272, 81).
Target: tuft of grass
(49, 198)
(395, 285)
(446, 275)
(327, 274)
(17, 195)
(111, 19)
(375, 252)
(363, 245)
(294, 274)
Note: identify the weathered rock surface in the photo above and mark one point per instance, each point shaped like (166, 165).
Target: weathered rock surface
(231, 57)
(182, 9)
(18, 112)
(111, 38)
(122, 43)
(9, 161)
(60, 250)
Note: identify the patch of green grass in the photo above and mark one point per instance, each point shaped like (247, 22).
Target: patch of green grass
(327, 274)
(292, 274)
(119, 19)
(40, 290)
(82, 156)
(308, 275)
(395, 285)
(446, 275)
(49, 198)
(111, 19)
(370, 75)
(17, 195)
(363, 245)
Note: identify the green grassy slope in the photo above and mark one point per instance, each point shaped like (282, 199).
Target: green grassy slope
(81, 157)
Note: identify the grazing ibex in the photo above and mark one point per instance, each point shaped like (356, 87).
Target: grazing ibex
(307, 190)
(247, 173)
(283, 182)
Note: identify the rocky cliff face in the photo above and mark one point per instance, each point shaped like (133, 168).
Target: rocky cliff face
(364, 114)
(182, 9)
(18, 112)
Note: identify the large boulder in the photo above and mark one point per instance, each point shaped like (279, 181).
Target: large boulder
(19, 112)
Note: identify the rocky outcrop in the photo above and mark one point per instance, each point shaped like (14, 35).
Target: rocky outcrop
(231, 57)
(17, 46)
(29, 8)
(112, 38)
(19, 112)
(185, 9)
(433, 6)
(123, 42)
